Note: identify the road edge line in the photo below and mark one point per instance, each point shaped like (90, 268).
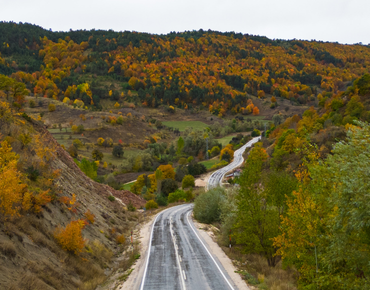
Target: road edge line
(214, 261)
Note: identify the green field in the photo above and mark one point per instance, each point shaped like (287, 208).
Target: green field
(209, 163)
(128, 186)
(182, 125)
(109, 158)
(225, 140)
(57, 130)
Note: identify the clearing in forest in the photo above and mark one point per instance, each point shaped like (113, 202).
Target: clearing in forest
(182, 125)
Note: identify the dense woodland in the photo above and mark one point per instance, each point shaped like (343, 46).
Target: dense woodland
(207, 69)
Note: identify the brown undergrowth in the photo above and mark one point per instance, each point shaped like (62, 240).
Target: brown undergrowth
(255, 270)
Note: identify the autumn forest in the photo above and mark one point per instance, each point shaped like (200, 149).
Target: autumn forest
(216, 71)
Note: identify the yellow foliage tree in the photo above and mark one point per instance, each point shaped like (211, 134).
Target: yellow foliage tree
(100, 141)
(51, 107)
(74, 129)
(79, 103)
(11, 186)
(116, 105)
(167, 171)
(70, 238)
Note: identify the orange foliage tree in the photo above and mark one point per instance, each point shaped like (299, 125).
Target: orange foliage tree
(256, 111)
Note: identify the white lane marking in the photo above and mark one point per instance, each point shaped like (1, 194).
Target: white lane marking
(150, 246)
(182, 273)
(223, 275)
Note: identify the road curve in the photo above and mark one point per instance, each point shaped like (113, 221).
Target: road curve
(178, 258)
(216, 178)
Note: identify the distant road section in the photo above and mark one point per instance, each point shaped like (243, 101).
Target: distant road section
(217, 176)
(178, 258)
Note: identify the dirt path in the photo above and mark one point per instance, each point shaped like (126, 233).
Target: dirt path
(202, 180)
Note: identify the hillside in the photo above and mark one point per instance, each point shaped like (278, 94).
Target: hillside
(43, 192)
(303, 199)
(208, 70)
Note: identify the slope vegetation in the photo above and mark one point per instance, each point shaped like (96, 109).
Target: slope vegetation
(58, 228)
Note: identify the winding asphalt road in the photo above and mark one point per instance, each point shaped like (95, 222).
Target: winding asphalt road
(178, 257)
(216, 178)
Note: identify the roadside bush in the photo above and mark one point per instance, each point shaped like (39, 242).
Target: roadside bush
(207, 206)
(32, 104)
(151, 204)
(161, 200)
(168, 185)
(111, 198)
(178, 195)
(188, 181)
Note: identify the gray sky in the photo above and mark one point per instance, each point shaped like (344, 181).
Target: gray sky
(327, 20)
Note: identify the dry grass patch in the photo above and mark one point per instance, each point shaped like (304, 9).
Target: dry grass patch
(8, 249)
(30, 281)
(255, 270)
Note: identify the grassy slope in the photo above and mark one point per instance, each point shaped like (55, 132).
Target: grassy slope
(128, 186)
(209, 163)
(225, 140)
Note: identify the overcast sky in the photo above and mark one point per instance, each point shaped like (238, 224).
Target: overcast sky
(345, 21)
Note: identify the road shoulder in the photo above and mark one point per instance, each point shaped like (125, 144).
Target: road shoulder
(134, 280)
